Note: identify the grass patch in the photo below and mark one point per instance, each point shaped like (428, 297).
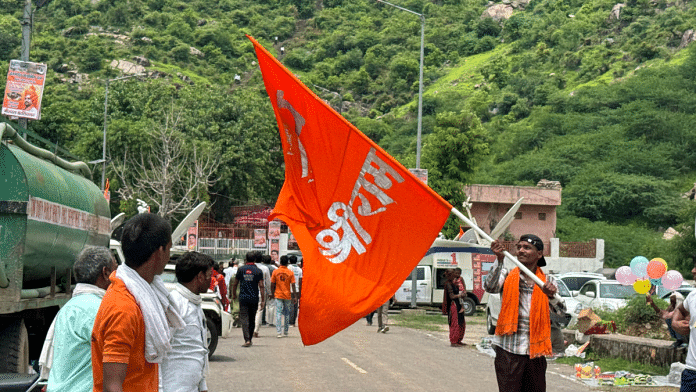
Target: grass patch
(614, 364)
(460, 78)
(425, 322)
(173, 70)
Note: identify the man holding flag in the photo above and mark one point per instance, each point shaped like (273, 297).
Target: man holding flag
(523, 333)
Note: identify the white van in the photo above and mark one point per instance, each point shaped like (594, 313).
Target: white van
(474, 260)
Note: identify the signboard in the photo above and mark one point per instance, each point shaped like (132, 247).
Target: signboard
(274, 230)
(421, 174)
(24, 89)
(446, 260)
(192, 237)
(292, 242)
(259, 238)
(275, 251)
(482, 263)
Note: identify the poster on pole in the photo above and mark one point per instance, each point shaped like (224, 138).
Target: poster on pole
(259, 238)
(421, 174)
(292, 241)
(192, 237)
(275, 251)
(24, 89)
(274, 230)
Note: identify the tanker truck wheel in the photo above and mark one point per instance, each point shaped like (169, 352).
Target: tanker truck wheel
(14, 350)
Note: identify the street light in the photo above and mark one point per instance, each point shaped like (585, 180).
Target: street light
(106, 100)
(420, 81)
(414, 274)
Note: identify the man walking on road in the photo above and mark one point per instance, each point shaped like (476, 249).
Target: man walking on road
(297, 271)
(65, 358)
(523, 334)
(184, 368)
(283, 288)
(249, 278)
(270, 301)
(131, 333)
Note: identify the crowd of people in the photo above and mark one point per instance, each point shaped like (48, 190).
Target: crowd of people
(123, 330)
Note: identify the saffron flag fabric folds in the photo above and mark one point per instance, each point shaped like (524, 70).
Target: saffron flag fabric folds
(361, 219)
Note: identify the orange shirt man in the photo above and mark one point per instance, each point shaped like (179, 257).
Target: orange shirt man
(123, 341)
(283, 289)
(119, 336)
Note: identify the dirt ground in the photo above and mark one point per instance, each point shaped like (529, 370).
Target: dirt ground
(476, 330)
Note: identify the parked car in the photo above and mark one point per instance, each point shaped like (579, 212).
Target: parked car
(605, 294)
(684, 290)
(218, 321)
(573, 307)
(575, 280)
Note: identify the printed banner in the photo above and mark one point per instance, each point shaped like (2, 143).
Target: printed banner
(362, 220)
(259, 238)
(24, 89)
(275, 251)
(192, 237)
(274, 230)
(421, 174)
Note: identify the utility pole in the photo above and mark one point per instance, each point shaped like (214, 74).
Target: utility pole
(414, 273)
(26, 44)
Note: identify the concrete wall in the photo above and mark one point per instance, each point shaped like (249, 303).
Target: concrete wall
(648, 351)
(558, 265)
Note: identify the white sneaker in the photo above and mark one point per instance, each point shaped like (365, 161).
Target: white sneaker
(280, 336)
(385, 329)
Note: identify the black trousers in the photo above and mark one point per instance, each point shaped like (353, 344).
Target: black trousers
(517, 373)
(293, 312)
(247, 317)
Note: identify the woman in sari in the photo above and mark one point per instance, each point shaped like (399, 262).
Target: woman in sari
(453, 307)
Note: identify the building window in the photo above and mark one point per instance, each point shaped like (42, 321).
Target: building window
(542, 216)
(518, 215)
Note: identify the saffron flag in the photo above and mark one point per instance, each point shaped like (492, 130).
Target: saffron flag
(459, 236)
(361, 219)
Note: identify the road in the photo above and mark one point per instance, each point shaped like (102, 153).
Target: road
(360, 359)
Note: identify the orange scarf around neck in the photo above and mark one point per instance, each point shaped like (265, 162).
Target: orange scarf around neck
(539, 317)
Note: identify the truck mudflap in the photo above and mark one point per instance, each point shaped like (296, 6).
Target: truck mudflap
(14, 382)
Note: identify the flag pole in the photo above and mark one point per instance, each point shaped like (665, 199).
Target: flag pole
(507, 254)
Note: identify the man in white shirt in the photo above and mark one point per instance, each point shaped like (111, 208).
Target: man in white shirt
(267, 286)
(229, 273)
(184, 368)
(297, 271)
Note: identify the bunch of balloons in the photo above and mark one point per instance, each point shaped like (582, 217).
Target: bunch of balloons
(643, 274)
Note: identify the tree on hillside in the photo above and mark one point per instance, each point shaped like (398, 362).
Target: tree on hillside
(450, 154)
(173, 173)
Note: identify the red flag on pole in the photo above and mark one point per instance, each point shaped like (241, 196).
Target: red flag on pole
(459, 236)
(106, 190)
(361, 219)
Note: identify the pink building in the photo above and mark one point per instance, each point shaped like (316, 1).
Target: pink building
(537, 214)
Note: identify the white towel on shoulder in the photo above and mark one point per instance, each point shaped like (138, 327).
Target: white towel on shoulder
(158, 313)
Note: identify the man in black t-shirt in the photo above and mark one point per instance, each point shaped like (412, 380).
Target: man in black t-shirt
(250, 280)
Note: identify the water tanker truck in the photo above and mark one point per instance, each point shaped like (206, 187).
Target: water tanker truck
(49, 211)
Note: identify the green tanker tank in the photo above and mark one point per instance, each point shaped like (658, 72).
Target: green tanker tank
(49, 211)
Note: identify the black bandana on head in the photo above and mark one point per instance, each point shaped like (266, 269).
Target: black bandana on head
(538, 244)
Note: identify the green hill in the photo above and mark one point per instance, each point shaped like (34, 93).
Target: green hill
(598, 95)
